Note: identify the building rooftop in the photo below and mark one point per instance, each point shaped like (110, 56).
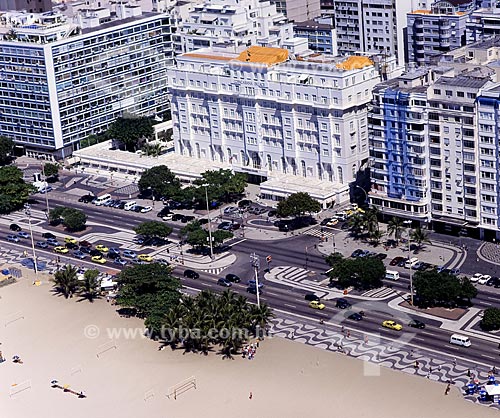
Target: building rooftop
(312, 24)
(263, 55)
(463, 81)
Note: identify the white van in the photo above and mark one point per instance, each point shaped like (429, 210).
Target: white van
(411, 262)
(462, 340)
(130, 205)
(392, 275)
(101, 200)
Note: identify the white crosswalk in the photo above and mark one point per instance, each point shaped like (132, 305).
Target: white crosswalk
(317, 232)
(295, 274)
(216, 270)
(380, 292)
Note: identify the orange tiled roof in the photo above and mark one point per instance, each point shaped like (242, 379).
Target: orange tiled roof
(355, 62)
(263, 55)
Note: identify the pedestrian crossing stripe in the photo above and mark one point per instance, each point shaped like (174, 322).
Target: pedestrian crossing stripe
(292, 273)
(216, 270)
(378, 293)
(317, 233)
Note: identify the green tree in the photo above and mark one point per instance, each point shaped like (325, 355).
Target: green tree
(220, 236)
(152, 150)
(51, 170)
(131, 132)
(56, 215)
(419, 236)
(197, 238)
(222, 185)
(440, 289)
(66, 281)
(90, 286)
(14, 192)
(395, 228)
(467, 289)
(6, 149)
(161, 181)
(153, 229)
(491, 319)
(361, 273)
(371, 222)
(74, 219)
(151, 290)
(356, 224)
(298, 204)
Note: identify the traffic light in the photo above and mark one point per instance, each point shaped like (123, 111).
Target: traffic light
(268, 258)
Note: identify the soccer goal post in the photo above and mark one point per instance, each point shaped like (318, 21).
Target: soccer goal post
(103, 348)
(181, 387)
(13, 318)
(17, 388)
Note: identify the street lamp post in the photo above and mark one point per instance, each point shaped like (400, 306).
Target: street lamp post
(209, 224)
(28, 212)
(409, 257)
(254, 258)
(46, 192)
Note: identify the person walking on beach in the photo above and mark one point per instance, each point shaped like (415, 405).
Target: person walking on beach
(447, 390)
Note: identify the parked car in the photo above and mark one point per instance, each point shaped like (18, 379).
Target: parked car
(145, 257)
(325, 221)
(475, 278)
(98, 259)
(224, 282)
(225, 226)
(317, 305)
(52, 242)
(42, 244)
(492, 281)
(484, 279)
(177, 216)
(15, 227)
(359, 253)
(187, 218)
(12, 238)
(146, 209)
(311, 296)
(102, 248)
(396, 260)
(191, 274)
(137, 208)
(71, 246)
(244, 203)
(60, 249)
(22, 234)
(114, 250)
(85, 250)
(119, 261)
(230, 209)
(342, 303)
(233, 278)
(86, 198)
(380, 256)
(356, 316)
(48, 235)
(112, 255)
(95, 253)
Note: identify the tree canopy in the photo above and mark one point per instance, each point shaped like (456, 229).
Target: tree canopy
(441, 289)
(151, 290)
(6, 148)
(73, 219)
(66, 281)
(14, 192)
(361, 273)
(51, 170)
(198, 237)
(131, 132)
(298, 204)
(223, 185)
(161, 181)
(226, 320)
(491, 319)
(153, 229)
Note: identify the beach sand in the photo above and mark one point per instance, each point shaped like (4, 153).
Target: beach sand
(286, 379)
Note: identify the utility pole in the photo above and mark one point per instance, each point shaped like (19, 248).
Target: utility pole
(254, 259)
(46, 192)
(28, 212)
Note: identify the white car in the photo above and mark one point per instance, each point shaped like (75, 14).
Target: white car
(476, 277)
(230, 209)
(146, 209)
(484, 279)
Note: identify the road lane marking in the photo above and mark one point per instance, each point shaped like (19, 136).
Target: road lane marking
(490, 298)
(487, 303)
(237, 242)
(427, 333)
(291, 306)
(484, 355)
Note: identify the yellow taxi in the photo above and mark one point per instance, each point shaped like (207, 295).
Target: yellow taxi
(102, 248)
(145, 257)
(316, 305)
(69, 240)
(61, 250)
(392, 325)
(98, 259)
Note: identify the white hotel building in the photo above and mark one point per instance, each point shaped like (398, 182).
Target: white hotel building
(300, 124)
(62, 80)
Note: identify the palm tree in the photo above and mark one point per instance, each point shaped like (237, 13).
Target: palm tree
(152, 150)
(419, 236)
(395, 227)
(260, 316)
(371, 221)
(376, 237)
(356, 224)
(89, 287)
(66, 281)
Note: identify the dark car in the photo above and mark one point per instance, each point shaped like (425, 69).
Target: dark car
(177, 216)
(203, 221)
(225, 226)
(415, 323)
(137, 208)
(402, 262)
(311, 296)
(121, 205)
(224, 282)
(94, 253)
(85, 250)
(191, 274)
(272, 213)
(359, 253)
(163, 212)
(492, 281)
(244, 203)
(325, 221)
(113, 255)
(233, 278)
(187, 218)
(48, 235)
(15, 227)
(395, 261)
(342, 303)
(85, 244)
(86, 198)
(253, 290)
(355, 316)
(252, 282)
(380, 256)
(71, 246)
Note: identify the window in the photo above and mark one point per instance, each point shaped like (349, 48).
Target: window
(460, 94)
(437, 91)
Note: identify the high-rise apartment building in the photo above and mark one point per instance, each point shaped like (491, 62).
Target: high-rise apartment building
(232, 22)
(483, 24)
(321, 35)
(30, 6)
(63, 80)
(438, 30)
(298, 10)
(372, 26)
(267, 114)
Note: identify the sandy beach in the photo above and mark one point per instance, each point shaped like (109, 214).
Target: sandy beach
(131, 377)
